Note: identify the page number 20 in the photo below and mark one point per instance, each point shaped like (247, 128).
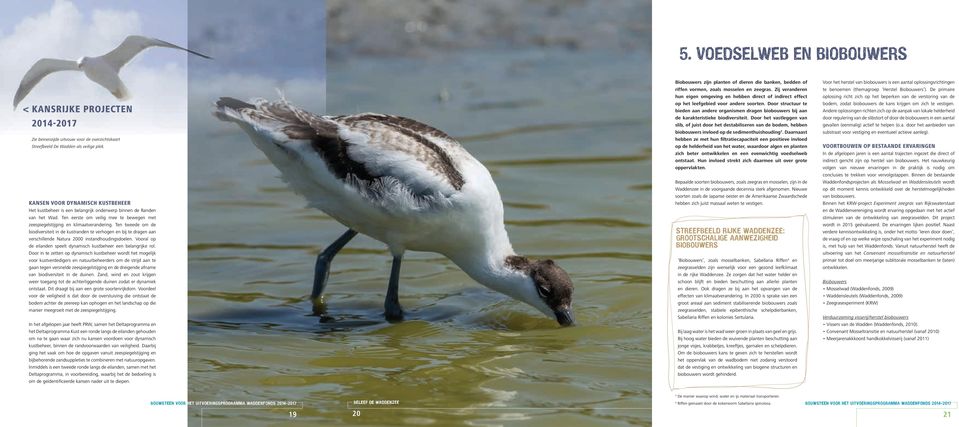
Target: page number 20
(356, 413)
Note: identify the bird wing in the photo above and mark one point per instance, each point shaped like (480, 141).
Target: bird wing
(133, 45)
(422, 158)
(37, 72)
(380, 153)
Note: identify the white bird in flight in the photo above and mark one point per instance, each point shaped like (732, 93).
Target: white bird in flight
(103, 70)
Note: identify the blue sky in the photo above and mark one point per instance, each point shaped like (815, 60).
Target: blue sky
(258, 46)
(281, 39)
(65, 29)
(166, 16)
(165, 20)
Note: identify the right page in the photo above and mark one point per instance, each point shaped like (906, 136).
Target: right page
(804, 213)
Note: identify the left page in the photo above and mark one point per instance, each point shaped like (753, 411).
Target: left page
(94, 214)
